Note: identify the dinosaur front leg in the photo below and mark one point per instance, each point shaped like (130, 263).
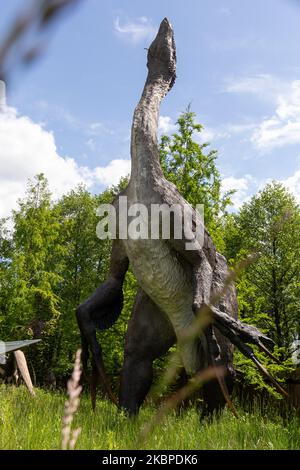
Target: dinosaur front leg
(202, 278)
(100, 311)
(149, 336)
(202, 267)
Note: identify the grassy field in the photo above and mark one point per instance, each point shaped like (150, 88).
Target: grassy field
(27, 423)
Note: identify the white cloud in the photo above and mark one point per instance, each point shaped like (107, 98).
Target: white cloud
(241, 185)
(26, 149)
(292, 183)
(2, 93)
(98, 128)
(264, 86)
(246, 186)
(166, 125)
(112, 173)
(283, 127)
(207, 134)
(136, 30)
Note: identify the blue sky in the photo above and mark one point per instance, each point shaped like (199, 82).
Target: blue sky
(238, 66)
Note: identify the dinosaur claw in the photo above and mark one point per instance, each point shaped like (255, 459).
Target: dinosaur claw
(266, 342)
(246, 333)
(99, 366)
(263, 348)
(247, 351)
(93, 386)
(265, 373)
(84, 359)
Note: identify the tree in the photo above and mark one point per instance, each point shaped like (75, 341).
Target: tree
(6, 280)
(85, 264)
(269, 289)
(186, 163)
(32, 273)
(79, 258)
(51, 263)
(270, 225)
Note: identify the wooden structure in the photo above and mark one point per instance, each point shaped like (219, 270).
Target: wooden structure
(15, 366)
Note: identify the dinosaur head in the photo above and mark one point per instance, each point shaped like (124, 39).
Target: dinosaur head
(162, 53)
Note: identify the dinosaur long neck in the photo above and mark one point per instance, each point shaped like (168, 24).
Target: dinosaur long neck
(145, 163)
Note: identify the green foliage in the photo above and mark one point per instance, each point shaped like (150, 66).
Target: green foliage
(83, 267)
(50, 263)
(36, 424)
(85, 264)
(51, 260)
(31, 269)
(187, 163)
(269, 289)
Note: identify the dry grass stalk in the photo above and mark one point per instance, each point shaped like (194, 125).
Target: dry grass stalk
(31, 22)
(69, 437)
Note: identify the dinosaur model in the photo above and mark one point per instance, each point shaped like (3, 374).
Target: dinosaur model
(175, 282)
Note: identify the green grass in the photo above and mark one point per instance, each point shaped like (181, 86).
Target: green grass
(35, 423)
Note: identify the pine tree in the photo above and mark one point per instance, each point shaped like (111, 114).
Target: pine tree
(187, 163)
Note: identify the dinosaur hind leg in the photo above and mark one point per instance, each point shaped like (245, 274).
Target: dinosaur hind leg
(149, 336)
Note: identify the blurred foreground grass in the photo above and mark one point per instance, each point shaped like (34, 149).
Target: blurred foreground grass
(35, 423)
